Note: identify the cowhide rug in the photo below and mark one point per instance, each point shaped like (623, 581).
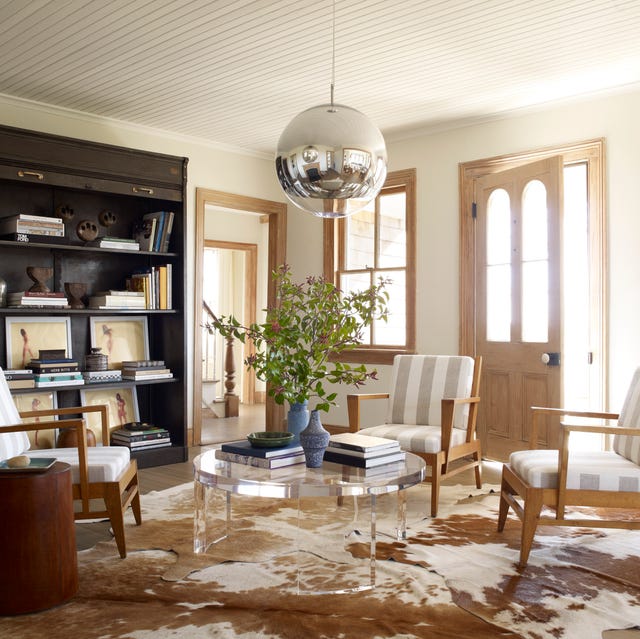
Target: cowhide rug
(454, 576)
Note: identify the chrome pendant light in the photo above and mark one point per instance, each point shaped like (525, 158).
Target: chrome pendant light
(331, 160)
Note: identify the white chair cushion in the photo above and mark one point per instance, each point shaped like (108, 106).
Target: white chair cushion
(626, 445)
(420, 382)
(586, 471)
(416, 439)
(105, 462)
(11, 444)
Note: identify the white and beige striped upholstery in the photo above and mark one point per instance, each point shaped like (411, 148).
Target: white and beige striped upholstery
(418, 385)
(626, 445)
(586, 470)
(105, 463)
(11, 444)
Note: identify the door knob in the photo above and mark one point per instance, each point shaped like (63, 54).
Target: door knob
(550, 359)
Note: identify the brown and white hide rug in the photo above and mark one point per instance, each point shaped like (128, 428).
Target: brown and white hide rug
(454, 577)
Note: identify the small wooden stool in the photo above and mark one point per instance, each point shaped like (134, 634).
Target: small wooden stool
(37, 540)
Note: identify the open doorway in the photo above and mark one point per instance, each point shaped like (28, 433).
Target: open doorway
(211, 209)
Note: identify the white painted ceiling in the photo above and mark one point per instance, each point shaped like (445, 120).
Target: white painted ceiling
(235, 72)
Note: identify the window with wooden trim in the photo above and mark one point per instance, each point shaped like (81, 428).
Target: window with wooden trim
(379, 242)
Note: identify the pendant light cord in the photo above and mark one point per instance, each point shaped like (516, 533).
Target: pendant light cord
(333, 52)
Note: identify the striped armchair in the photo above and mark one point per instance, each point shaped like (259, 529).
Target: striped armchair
(431, 411)
(534, 479)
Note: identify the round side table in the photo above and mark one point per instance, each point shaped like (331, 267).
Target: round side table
(37, 540)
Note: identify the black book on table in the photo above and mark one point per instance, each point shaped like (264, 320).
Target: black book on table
(332, 455)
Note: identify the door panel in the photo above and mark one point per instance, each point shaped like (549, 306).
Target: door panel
(518, 298)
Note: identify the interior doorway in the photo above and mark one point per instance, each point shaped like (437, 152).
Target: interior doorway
(547, 347)
(275, 215)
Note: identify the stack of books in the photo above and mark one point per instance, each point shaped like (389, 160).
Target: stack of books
(47, 365)
(156, 284)
(38, 227)
(141, 439)
(363, 451)
(31, 299)
(242, 452)
(145, 370)
(49, 370)
(19, 378)
(122, 243)
(154, 231)
(100, 377)
(114, 299)
(44, 380)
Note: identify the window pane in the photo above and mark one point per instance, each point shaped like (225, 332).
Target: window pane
(499, 303)
(360, 233)
(499, 228)
(393, 332)
(498, 266)
(393, 233)
(352, 283)
(534, 221)
(535, 301)
(535, 264)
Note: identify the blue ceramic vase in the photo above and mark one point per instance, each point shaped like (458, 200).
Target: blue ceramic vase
(297, 419)
(314, 439)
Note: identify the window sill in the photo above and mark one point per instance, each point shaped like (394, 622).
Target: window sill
(370, 355)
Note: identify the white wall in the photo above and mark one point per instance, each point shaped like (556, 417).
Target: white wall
(436, 157)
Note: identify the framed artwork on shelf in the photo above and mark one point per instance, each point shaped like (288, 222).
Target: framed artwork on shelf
(122, 404)
(121, 338)
(39, 400)
(26, 336)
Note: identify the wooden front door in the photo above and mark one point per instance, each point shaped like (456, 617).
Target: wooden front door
(518, 302)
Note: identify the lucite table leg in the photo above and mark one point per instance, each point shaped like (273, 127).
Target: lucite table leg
(200, 518)
(372, 546)
(401, 525)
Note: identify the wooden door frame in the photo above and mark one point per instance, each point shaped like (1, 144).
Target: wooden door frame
(277, 215)
(594, 151)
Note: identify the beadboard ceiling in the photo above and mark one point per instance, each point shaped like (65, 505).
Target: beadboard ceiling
(234, 72)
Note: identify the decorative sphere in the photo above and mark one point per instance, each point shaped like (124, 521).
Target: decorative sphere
(331, 161)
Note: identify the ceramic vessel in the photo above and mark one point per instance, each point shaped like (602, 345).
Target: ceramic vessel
(314, 439)
(297, 419)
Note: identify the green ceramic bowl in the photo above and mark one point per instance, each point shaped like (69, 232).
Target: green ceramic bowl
(270, 439)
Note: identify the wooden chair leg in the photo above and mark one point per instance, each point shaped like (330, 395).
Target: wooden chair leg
(478, 469)
(504, 504)
(435, 487)
(532, 508)
(113, 503)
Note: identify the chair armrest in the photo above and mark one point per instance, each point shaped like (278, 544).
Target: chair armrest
(537, 411)
(448, 405)
(563, 453)
(81, 429)
(75, 410)
(353, 407)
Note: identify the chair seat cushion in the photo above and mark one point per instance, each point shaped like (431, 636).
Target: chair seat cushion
(105, 462)
(415, 439)
(587, 470)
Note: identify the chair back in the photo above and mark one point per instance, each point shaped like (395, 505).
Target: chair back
(420, 382)
(11, 444)
(629, 445)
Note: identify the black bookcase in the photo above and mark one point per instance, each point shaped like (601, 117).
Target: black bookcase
(39, 173)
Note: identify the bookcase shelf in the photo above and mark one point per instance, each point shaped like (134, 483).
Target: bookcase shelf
(40, 173)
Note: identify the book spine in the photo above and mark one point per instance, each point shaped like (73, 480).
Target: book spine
(55, 369)
(256, 462)
(141, 438)
(142, 443)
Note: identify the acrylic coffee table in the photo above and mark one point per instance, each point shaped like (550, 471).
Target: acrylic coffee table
(297, 482)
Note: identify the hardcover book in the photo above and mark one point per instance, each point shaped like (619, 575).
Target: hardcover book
(357, 441)
(261, 462)
(332, 455)
(243, 447)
